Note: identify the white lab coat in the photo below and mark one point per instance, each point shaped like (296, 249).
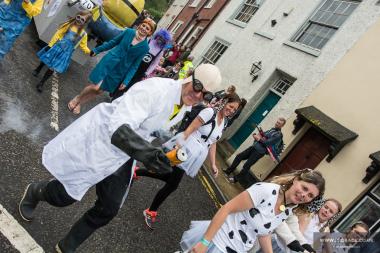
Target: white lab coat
(82, 154)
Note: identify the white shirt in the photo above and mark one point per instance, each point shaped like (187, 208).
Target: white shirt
(240, 230)
(82, 154)
(313, 227)
(206, 115)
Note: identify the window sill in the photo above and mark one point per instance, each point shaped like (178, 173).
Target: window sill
(265, 35)
(305, 49)
(237, 23)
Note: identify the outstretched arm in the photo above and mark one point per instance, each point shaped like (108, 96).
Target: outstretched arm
(240, 203)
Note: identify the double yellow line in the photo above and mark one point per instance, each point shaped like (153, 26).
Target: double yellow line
(206, 184)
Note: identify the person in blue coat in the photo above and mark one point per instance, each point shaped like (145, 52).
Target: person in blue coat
(117, 66)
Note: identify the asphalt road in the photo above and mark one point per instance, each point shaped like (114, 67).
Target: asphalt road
(25, 118)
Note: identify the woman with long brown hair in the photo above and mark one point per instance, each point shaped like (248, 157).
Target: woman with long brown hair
(57, 55)
(254, 214)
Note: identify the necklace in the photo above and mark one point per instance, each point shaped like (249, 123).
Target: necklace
(138, 38)
(282, 206)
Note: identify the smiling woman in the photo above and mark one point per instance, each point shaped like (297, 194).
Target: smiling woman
(117, 66)
(254, 214)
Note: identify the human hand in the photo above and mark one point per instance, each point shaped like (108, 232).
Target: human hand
(199, 248)
(257, 137)
(27, 1)
(215, 171)
(122, 86)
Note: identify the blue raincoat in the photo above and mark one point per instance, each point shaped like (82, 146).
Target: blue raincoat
(120, 64)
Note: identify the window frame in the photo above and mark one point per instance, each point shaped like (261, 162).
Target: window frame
(371, 196)
(193, 34)
(176, 26)
(210, 4)
(203, 59)
(308, 22)
(195, 3)
(237, 12)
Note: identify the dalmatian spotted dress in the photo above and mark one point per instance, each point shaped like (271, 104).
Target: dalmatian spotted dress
(240, 230)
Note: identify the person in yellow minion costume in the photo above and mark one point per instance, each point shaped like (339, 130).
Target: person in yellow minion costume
(57, 55)
(15, 15)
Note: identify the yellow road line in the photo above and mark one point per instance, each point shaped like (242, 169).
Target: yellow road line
(209, 189)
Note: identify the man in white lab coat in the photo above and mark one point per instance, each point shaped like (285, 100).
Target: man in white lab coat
(82, 155)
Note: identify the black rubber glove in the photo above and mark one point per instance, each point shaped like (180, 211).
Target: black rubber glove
(141, 150)
(308, 248)
(296, 246)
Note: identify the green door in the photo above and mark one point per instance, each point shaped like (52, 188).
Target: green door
(256, 117)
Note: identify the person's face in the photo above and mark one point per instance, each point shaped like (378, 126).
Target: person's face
(279, 124)
(80, 20)
(328, 210)
(191, 96)
(160, 41)
(144, 30)
(301, 192)
(230, 108)
(177, 66)
(357, 233)
(161, 61)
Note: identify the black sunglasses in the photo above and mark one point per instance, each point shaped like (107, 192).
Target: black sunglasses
(80, 19)
(198, 87)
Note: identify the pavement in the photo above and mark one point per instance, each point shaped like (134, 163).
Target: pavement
(28, 120)
(224, 189)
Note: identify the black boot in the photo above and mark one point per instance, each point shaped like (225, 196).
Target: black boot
(34, 193)
(228, 171)
(38, 69)
(79, 232)
(47, 75)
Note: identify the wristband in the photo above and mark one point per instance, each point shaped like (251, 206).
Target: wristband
(205, 242)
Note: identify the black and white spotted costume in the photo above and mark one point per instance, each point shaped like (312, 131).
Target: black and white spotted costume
(240, 230)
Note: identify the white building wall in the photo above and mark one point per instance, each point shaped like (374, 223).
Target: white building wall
(171, 14)
(247, 47)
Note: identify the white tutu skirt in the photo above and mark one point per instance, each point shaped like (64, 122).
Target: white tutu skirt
(196, 151)
(194, 235)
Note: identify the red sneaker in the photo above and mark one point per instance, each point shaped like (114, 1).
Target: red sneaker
(150, 217)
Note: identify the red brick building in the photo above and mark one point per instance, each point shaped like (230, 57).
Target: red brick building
(194, 19)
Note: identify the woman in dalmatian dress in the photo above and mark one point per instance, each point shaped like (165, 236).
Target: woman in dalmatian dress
(253, 214)
(198, 141)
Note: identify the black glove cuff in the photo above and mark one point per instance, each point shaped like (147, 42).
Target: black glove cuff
(308, 247)
(296, 246)
(141, 150)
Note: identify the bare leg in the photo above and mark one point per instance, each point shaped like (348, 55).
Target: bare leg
(87, 94)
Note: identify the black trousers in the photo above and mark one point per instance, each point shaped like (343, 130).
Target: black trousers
(251, 155)
(110, 192)
(172, 181)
